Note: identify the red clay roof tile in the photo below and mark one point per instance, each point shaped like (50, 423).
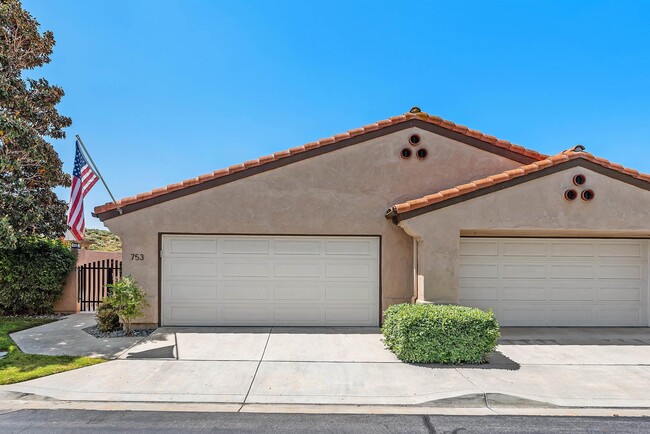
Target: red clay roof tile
(461, 129)
(536, 166)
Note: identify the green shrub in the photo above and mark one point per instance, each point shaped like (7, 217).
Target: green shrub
(32, 275)
(429, 333)
(127, 299)
(107, 318)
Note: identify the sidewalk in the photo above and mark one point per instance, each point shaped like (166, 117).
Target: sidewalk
(66, 337)
(535, 368)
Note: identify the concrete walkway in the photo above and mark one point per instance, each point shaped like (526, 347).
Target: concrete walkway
(66, 337)
(261, 366)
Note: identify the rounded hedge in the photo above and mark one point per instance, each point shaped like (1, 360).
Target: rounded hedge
(32, 275)
(430, 333)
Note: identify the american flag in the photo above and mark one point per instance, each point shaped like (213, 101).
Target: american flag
(83, 179)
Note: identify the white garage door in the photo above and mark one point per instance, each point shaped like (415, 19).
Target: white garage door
(557, 282)
(270, 280)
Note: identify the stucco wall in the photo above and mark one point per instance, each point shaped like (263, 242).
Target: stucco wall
(535, 208)
(344, 192)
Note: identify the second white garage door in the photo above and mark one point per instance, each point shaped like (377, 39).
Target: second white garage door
(557, 282)
(211, 280)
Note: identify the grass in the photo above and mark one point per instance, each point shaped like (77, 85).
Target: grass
(17, 366)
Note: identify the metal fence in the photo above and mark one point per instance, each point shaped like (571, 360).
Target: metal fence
(92, 279)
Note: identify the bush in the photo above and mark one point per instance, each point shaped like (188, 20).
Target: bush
(429, 333)
(32, 275)
(107, 318)
(127, 299)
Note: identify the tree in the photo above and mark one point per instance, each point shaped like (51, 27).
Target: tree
(29, 166)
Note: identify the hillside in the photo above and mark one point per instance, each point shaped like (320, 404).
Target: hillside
(103, 240)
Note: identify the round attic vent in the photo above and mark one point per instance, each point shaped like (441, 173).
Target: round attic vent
(587, 195)
(570, 194)
(579, 179)
(414, 140)
(422, 153)
(405, 153)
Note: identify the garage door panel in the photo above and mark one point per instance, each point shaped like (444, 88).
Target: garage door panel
(348, 315)
(619, 294)
(274, 280)
(572, 293)
(298, 269)
(571, 271)
(244, 290)
(244, 246)
(245, 269)
(476, 271)
(623, 250)
(179, 291)
(304, 290)
(573, 313)
(191, 246)
(526, 249)
(248, 314)
(620, 316)
(192, 268)
(480, 248)
(297, 247)
(347, 270)
(620, 272)
(350, 247)
(573, 249)
(579, 282)
(288, 315)
(485, 293)
(349, 291)
(523, 271)
(517, 315)
(523, 293)
(192, 315)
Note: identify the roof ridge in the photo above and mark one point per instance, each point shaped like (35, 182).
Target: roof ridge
(507, 175)
(435, 120)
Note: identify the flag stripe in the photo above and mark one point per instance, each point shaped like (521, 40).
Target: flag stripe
(83, 179)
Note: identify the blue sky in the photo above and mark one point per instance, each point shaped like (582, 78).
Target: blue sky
(161, 91)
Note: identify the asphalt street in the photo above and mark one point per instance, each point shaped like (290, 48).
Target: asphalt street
(84, 421)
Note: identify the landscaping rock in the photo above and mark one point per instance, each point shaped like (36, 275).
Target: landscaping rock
(94, 331)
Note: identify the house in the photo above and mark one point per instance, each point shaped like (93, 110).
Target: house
(409, 209)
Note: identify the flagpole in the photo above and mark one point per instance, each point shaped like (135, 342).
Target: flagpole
(97, 171)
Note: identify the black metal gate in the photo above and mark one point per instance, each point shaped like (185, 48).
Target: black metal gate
(92, 279)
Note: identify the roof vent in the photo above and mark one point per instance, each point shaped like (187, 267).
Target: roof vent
(415, 110)
(578, 148)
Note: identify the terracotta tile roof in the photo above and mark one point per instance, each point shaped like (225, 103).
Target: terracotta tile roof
(508, 175)
(435, 120)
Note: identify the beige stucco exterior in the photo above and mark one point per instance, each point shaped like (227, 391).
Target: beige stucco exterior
(344, 192)
(533, 208)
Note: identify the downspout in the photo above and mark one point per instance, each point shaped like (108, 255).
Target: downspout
(392, 214)
(415, 271)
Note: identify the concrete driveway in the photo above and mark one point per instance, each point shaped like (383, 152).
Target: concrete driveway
(565, 367)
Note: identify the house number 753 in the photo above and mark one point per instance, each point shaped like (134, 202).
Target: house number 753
(137, 256)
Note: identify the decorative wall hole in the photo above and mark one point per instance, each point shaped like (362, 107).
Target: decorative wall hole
(422, 153)
(405, 153)
(570, 194)
(414, 140)
(579, 179)
(587, 195)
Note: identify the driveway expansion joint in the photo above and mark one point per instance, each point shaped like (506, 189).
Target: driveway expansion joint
(258, 367)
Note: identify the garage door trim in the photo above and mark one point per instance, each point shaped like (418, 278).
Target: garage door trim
(160, 256)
